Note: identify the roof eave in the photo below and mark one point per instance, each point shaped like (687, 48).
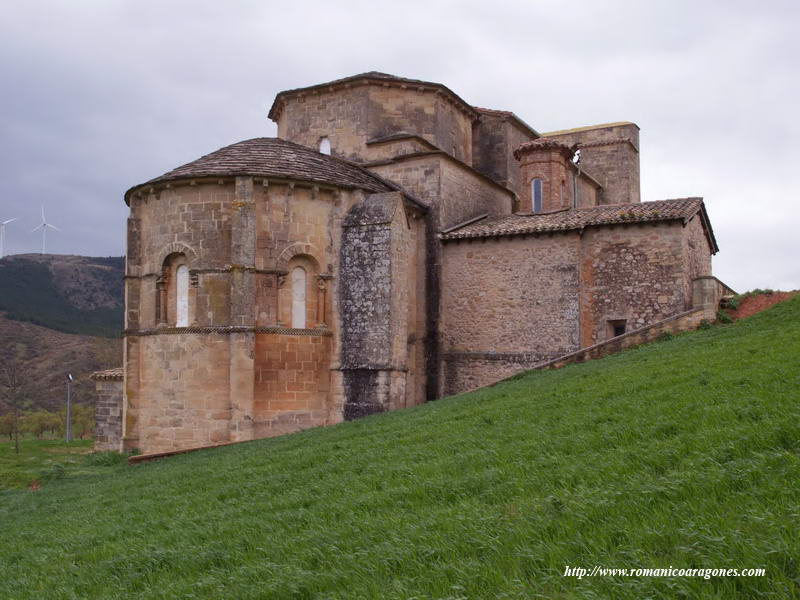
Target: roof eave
(279, 178)
(450, 236)
(508, 115)
(709, 231)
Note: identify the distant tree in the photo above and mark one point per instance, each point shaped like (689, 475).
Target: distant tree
(54, 424)
(7, 426)
(37, 423)
(15, 381)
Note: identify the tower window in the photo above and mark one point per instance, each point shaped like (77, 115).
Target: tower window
(536, 195)
(325, 146)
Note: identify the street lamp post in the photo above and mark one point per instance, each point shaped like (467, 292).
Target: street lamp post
(69, 407)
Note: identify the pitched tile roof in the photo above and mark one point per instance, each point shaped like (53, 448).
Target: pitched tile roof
(111, 374)
(566, 220)
(275, 157)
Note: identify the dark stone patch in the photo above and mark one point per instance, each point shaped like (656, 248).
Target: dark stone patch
(366, 283)
(361, 391)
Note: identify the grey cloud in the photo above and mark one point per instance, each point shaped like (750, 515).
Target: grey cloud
(100, 96)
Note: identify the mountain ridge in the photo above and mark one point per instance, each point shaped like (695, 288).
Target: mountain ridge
(68, 293)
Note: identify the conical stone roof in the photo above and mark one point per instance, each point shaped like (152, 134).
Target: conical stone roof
(274, 157)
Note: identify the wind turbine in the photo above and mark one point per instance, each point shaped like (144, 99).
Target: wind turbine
(3, 234)
(44, 227)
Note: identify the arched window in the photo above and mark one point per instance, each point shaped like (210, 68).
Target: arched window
(536, 195)
(172, 292)
(298, 298)
(182, 296)
(325, 146)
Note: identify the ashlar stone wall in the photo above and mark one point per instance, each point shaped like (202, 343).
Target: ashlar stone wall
(611, 155)
(352, 115)
(507, 304)
(183, 391)
(293, 383)
(510, 303)
(453, 193)
(241, 369)
(341, 115)
(633, 273)
(108, 413)
(378, 329)
(423, 113)
(494, 140)
(393, 147)
(696, 250)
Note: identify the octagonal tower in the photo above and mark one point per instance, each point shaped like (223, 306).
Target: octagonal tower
(233, 324)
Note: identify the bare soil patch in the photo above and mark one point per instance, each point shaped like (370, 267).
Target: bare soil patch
(750, 305)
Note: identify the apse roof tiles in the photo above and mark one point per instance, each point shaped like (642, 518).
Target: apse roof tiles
(273, 157)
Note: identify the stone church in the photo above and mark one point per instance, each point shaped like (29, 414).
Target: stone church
(394, 244)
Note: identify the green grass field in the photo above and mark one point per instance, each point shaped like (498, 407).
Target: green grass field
(683, 453)
(40, 461)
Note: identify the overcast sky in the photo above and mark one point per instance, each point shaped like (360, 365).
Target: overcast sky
(100, 95)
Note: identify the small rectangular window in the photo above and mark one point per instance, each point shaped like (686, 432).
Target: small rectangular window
(617, 327)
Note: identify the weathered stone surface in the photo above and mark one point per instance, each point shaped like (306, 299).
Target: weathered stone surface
(610, 153)
(108, 412)
(511, 303)
(373, 106)
(320, 290)
(375, 302)
(507, 305)
(495, 136)
(366, 289)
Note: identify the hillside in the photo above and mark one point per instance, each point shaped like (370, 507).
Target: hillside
(58, 315)
(46, 356)
(72, 294)
(684, 453)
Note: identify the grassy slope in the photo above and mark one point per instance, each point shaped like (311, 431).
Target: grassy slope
(682, 453)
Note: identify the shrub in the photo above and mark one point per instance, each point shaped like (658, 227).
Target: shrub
(723, 317)
(106, 459)
(54, 471)
(732, 302)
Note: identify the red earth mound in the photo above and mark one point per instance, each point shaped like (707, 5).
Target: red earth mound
(750, 305)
